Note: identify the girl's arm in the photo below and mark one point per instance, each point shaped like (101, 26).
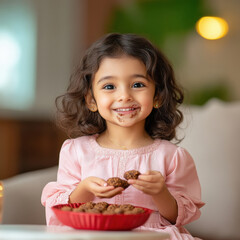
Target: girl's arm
(69, 186)
(68, 176)
(178, 198)
(152, 183)
(183, 183)
(167, 205)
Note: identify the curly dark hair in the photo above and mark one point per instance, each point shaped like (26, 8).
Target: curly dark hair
(76, 119)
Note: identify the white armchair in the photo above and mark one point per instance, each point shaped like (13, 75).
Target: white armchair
(212, 138)
(22, 197)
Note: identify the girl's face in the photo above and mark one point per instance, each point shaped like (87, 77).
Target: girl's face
(123, 92)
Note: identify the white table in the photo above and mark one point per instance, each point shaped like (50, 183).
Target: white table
(36, 232)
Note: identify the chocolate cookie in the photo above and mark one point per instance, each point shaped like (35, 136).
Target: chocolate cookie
(132, 174)
(127, 207)
(66, 208)
(88, 205)
(79, 209)
(93, 210)
(137, 210)
(84, 207)
(117, 182)
(108, 212)
(101, 206)
(119, 211)
(113, 207)
(105, 208)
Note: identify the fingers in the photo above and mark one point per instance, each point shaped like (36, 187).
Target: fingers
(100, 181)
(140, 188)
(110, 193)
(148, 187)
(150, 173)
(150, 176)
(104, 189)
(138, 182)
(151, 182)
(96, 185)
(99, 188)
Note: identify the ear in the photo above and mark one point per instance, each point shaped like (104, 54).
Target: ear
(156, 103)
(91, 104)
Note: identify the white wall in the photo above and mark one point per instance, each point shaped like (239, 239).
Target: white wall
(59, 40)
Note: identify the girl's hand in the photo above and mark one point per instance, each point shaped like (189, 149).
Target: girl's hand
(98, 187)
(151, 182)
(93, 187)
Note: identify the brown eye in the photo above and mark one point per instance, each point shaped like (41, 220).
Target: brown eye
(138, 85)
(108, 87)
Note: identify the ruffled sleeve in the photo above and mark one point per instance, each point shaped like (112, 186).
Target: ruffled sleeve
(183, 183)
(69, 175)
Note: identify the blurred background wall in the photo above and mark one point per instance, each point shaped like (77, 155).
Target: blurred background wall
(42, 41)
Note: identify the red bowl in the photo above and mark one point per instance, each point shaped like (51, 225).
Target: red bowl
(97, 221)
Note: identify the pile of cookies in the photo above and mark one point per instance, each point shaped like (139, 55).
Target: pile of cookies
(118, 182)
(105, 208)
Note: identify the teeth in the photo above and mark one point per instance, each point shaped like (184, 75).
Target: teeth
(124, 109)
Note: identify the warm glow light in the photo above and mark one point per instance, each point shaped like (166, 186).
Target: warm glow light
(212, 27)
(1, 195)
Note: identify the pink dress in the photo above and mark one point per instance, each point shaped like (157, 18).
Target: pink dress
(83, 157)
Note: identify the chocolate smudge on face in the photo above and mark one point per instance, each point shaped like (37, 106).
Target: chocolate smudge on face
(120, 119)
(133, 114)
(120, 116)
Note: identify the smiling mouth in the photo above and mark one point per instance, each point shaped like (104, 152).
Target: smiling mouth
(125, 109)
(129, 111)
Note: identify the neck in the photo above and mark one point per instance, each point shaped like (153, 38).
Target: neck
(124, 138)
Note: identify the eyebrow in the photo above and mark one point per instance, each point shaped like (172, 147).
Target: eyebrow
(104, 78)
(112, 77)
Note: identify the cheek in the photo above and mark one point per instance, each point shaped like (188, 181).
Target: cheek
(147, 101)
(103, 102)
(147, 106)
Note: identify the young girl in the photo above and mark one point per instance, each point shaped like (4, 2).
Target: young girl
(120, 112)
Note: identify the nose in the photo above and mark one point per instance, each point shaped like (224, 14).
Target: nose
(125, 95)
